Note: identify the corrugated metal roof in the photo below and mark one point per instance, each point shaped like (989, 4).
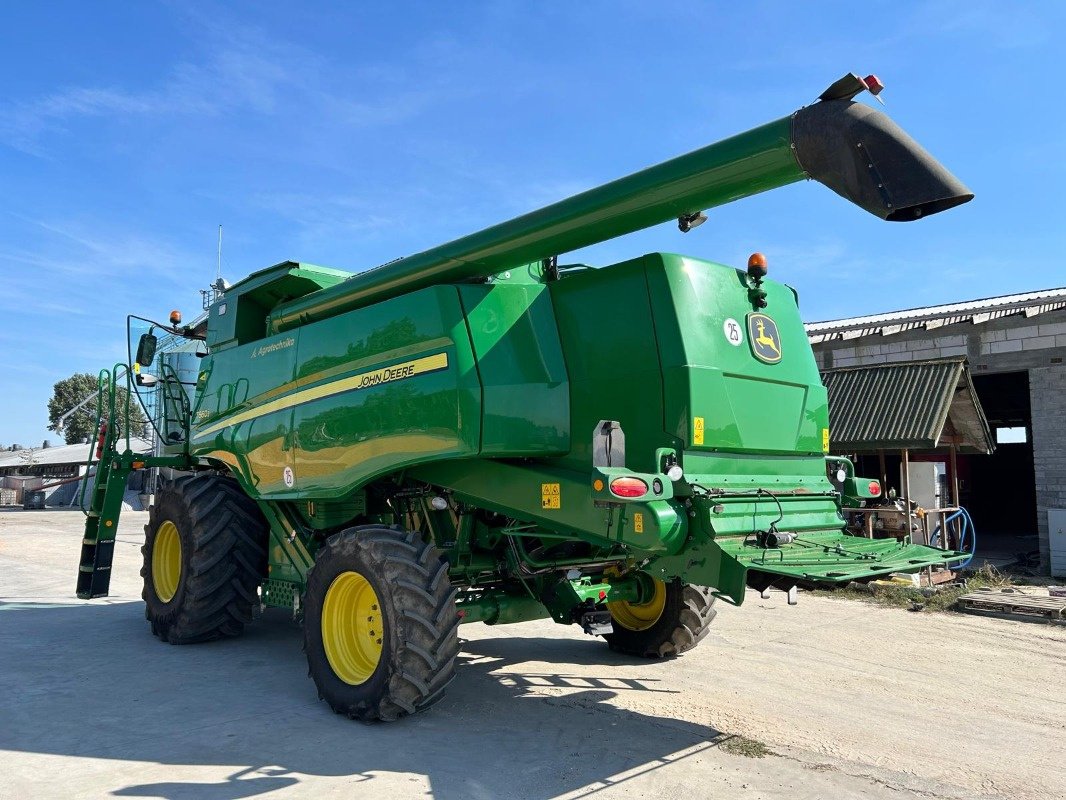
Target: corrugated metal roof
(919, 405)
(1028, 304)
(63, 454)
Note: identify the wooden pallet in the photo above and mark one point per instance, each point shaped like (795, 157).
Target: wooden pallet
(1053, 609)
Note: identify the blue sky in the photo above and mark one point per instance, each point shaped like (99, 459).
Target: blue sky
(348, 134)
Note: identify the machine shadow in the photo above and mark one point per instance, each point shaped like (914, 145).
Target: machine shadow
(92, 682)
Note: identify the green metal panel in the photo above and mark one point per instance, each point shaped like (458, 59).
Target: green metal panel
(829, 556)
(520, 364)
(836, 557)
(384, 387)
(609, 341)
(240, 316)
(368, 393)
(711, 375)
(412, 392)
(280, 594)
(241, 417)
(519, 490)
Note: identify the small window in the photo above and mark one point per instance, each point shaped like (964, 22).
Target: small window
(1011, 436)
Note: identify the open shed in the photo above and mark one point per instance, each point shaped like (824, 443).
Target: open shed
(920, 405)
(915, 423)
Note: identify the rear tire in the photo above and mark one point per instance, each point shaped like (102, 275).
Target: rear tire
(204, 558)
(685, 620)
(380, 623)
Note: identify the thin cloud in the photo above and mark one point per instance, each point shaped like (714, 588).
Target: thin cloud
(1005, 25)
(69, 250)
(231, 81)
(241, 73)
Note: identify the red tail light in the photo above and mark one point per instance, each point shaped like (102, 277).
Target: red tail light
(875, 488)
(629, 487)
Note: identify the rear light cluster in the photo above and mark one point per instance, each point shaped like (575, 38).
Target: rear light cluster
(875, 488)
(629, 487)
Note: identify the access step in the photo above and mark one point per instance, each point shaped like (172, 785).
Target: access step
(94, 571)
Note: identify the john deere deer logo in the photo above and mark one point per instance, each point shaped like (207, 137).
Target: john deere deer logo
(764, 338)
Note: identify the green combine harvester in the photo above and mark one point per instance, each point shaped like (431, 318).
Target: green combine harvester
(480, 433)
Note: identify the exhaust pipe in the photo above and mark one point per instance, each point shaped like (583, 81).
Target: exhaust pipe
(865, 157)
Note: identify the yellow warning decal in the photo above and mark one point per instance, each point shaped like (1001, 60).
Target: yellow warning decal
(550, 496)
(638, 522)
(825, 440)
(697, 430)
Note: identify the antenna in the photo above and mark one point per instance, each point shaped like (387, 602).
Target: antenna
(218, 288)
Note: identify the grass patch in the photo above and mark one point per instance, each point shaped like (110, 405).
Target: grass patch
(743, 746)
(944, 599)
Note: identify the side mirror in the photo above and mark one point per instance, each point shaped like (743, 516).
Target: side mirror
(146, 349)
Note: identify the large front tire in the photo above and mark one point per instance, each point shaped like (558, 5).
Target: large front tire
(676, 618)
(380, 623)
(204, 558)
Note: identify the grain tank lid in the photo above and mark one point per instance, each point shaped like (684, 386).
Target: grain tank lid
(284, 281)
(921, 405)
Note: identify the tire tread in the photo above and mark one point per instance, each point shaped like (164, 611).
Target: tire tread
(226, 565)
(424, 641)
(687, 622)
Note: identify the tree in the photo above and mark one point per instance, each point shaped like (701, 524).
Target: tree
(67, 393)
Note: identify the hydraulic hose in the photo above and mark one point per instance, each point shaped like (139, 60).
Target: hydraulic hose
(967, 528)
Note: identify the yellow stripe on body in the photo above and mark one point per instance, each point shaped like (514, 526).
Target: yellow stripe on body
(365, 380)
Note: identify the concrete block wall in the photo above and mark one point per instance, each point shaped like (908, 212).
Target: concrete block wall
(1047, 394)
(1008, 343)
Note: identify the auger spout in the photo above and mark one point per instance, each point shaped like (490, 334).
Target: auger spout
(855, 150)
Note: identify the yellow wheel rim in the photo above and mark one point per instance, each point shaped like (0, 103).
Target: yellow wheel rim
(166, 561)
(640, 616)
(352, 628)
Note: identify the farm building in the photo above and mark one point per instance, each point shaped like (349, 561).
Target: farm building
(1015, 346)
(57, 469)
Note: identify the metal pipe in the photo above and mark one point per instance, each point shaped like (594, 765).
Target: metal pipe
(955, 500)
(539, 565)
(906, 480)
(853, 149)
(500, 608)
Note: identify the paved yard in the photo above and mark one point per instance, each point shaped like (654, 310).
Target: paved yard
(853, 701)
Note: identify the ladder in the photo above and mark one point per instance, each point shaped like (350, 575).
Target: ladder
(112, 472)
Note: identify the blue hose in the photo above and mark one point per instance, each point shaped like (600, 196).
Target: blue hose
(968, 532)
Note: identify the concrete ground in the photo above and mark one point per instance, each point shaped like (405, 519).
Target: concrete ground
(852, 700)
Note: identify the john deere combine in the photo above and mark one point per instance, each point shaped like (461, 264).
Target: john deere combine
(482, 433)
